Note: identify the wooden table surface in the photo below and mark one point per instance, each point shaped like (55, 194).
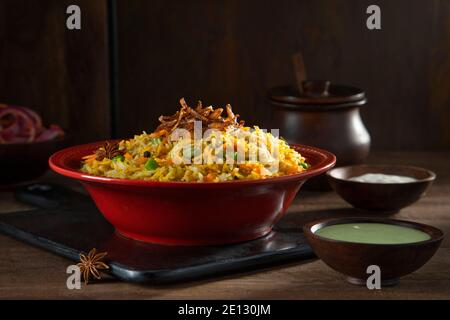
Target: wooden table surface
(28, 272)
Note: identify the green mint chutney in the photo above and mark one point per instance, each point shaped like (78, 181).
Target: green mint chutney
(372, 233)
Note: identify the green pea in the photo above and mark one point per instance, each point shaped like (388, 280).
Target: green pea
(120, 158)
(304, 165)
(151, 164)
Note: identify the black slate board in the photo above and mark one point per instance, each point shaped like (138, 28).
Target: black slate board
(68, 223)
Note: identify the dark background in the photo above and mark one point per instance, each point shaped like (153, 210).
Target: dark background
(226, 51)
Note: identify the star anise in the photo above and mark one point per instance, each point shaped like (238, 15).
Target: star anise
(91, 264)
(109, 150)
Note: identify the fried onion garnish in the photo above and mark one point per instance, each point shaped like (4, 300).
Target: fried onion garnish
(210, 118)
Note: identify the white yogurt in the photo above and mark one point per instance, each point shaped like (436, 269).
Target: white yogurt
(382, 178)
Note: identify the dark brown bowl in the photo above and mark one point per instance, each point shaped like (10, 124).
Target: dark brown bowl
(352, 259)
(387, 197)
(22, 162)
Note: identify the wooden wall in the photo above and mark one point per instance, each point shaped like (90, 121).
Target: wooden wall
(228, 51)
(60, 73)
(232, 51)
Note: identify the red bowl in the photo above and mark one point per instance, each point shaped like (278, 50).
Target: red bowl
(191, 213)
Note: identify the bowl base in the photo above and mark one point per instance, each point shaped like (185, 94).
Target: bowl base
(194, 242)
(363, 282)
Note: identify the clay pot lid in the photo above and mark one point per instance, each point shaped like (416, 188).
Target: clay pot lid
(317, 92)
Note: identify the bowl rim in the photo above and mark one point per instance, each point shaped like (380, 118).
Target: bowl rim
(431, 174)
(55, 163)
(435, 233)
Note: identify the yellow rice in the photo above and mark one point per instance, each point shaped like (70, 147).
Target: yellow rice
(132, 165)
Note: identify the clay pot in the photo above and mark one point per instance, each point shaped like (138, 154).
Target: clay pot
(324, 115)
